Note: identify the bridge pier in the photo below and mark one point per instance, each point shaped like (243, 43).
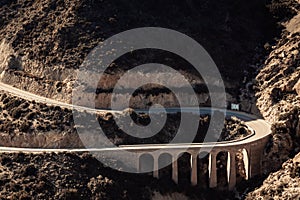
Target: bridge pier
(212, 167)
(246, 160)
(255, 160)
(231, 170)
(194, 175)
(252, 157)
(175, 169)
(155, 167)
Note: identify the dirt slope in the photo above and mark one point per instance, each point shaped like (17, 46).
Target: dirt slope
(48, 40)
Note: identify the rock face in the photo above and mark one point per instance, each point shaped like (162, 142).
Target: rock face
(14, 63)
(283, 184)
(278, 89)
(8, 58)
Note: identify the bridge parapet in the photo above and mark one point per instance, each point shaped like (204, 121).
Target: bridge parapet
(251, 148)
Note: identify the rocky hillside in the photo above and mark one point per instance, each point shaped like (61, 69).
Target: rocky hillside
(42, 43)
(283, 184)
(67, 176)
(278, 86)
(278, 100)
(26, 123)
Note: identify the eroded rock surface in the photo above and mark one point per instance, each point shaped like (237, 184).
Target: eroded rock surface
(278, 88)
(283, 184)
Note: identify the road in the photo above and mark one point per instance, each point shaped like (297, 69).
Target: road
(260, 127)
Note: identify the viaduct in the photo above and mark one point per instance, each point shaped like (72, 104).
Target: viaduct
(252, 147)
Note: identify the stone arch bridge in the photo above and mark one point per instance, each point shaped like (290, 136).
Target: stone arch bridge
(252, 147)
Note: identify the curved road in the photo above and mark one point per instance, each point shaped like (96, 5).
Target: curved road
(261, 128)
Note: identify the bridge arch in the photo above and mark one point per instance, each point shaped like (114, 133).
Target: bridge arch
(222, 169)
(165, 166)
(184, 168)
(203, 169)
(231, 168)
(146, 163)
